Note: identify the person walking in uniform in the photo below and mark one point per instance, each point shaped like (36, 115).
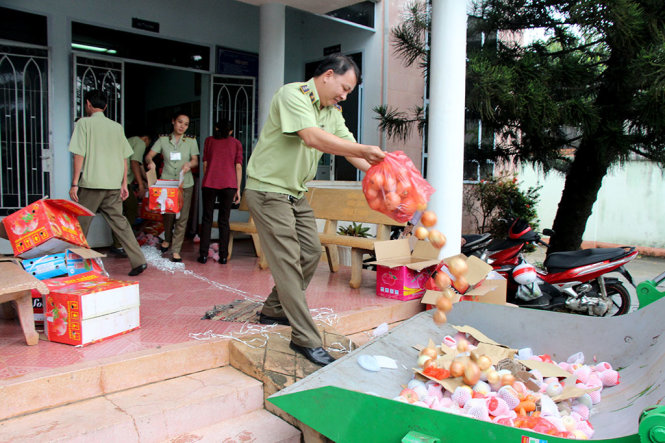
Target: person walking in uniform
(304, 122)
(100, 173)
(135, 184)
(222, 175)
(181, 154)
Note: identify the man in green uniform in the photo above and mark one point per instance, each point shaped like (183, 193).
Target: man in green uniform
(100, 173)
(304, 122)
(130, 206)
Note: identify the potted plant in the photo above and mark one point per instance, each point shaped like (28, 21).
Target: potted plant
(353, 230)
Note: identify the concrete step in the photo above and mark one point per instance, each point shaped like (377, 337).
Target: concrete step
(151, 413)
(256, 426)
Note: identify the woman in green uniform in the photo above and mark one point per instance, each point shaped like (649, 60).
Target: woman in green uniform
(181, 154)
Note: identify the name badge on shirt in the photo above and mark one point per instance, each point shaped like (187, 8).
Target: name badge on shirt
(175, 156)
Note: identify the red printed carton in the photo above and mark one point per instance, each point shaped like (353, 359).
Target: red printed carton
(401, 273)
(164, 196)
(145, 213)
(45, 227)
(88, 308)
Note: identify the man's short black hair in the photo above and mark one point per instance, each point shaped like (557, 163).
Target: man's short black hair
(96, 98)
(340, 64)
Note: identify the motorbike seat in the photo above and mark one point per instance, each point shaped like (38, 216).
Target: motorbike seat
(561, 261)
(473, 240)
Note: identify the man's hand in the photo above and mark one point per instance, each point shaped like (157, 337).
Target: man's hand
(73, 193)
(373, 154)
(124, 193)
(150, 165)
(140, 191)
(236, 198)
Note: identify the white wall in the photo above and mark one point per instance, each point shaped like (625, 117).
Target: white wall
(302, 48)
(629, 209)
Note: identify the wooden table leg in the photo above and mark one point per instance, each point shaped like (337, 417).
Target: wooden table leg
(27, 317)
(356, 268)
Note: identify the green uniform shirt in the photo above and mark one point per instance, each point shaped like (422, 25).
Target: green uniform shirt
(138, 146)
(175, 156)
(281, 162)
(104, 148)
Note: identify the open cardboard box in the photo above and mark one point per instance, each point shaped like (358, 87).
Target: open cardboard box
(44, 227)
(164, 196)
(485, 285)
(400, 272)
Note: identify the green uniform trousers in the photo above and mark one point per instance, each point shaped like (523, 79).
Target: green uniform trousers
(290, 241)
(175, 236)
(109, 203)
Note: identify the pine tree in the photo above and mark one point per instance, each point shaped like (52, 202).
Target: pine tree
(587, 96)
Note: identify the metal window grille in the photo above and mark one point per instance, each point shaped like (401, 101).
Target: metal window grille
(234, 99)
(24, 127)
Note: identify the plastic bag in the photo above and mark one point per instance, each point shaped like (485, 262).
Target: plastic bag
(395, 187)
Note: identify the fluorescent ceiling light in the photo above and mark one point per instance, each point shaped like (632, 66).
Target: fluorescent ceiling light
(93, 48)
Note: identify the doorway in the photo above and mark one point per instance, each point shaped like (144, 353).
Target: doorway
(153, 94)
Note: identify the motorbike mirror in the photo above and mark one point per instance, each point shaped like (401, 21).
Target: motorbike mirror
(548, 232)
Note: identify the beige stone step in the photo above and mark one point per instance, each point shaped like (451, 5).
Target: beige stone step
(150, 413)
(255, 426)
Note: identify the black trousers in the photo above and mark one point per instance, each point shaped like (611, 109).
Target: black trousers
(225, 198)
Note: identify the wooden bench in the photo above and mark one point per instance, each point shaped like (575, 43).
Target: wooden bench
(336, 205)
(16, 286)
(332, 206)
(247, 227)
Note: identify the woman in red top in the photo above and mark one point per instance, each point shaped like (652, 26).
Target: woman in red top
(222, 174)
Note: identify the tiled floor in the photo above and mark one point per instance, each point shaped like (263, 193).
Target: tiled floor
(173, 300)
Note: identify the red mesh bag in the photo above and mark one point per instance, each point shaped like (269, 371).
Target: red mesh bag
(395, 187)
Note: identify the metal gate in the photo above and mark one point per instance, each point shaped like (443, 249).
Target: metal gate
(103, 74)
(24, 127)
(233, 98)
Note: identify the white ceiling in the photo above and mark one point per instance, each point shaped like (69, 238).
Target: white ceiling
(314, 6)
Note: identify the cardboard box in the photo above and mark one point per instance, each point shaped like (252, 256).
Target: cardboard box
(491, 290)
(45, 227)
(38, 309)
(88, 308)
(400, 273)
(71, 262)
(164, 196)
(476, 273)
(144, 211)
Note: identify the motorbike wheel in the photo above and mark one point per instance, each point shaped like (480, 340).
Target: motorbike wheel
(620, 298)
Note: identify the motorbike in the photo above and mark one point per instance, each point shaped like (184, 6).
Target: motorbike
(571, 281)
(476, 244)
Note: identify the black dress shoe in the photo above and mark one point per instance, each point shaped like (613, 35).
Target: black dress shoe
(164, 249)
(202, 259)
(176, 259)
(137, 270)
(222, 260)
(266, 320)
(316, 355)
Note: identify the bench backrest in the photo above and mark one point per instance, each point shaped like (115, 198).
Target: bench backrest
(347, 205)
